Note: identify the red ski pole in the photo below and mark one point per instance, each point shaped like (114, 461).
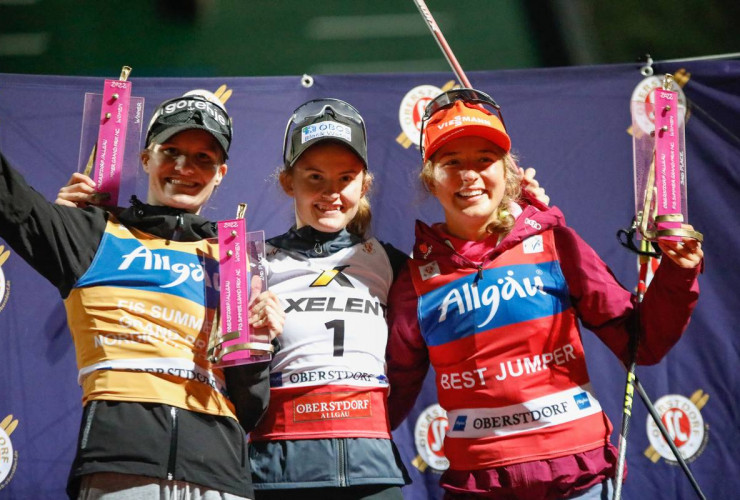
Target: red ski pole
(443, 45)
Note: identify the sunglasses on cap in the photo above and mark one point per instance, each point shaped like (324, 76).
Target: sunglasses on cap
(191, 111)
(315, 112)
(448, 99)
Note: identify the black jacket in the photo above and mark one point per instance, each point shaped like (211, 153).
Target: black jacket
(128, 437)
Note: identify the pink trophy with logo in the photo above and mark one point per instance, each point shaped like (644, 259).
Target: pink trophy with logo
(659, 147)
(659, 155)
(241, 276)
(110, 139)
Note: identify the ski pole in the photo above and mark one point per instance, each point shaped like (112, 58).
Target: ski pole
(443, 45)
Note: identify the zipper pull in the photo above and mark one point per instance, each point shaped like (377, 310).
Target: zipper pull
(172, 461)
(179, 225)
(479, 275)
(317, 248)
(138, 206)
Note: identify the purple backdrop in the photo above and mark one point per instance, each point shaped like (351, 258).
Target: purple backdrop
(570, 123)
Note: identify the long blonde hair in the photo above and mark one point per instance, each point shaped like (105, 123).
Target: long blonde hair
(504, 221)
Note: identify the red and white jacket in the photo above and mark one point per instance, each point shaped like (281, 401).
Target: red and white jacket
(499, 323)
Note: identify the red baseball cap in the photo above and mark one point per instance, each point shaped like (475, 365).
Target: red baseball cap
(463, 119)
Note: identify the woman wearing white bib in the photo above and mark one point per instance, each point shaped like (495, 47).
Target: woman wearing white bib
(326, 431)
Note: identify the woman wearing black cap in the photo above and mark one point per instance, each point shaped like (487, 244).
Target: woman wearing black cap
(492, 300)
(156, 420)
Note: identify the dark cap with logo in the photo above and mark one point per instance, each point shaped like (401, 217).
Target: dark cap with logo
(321, 120)
(194, 110)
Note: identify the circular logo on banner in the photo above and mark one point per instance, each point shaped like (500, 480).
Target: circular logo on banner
(412, 109)
(4, 284)
(643, 102)
(8, 456)
(683, 420)
(429, 437)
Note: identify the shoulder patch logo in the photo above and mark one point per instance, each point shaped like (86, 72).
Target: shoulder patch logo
(429, 270)
(533, 244)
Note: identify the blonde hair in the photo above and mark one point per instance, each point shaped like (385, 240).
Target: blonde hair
(360, 223)
(504, 221)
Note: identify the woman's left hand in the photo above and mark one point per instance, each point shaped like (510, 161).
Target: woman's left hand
(686, 253)
(265, 312)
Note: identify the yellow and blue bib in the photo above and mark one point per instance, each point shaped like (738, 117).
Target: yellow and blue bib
(140, 318)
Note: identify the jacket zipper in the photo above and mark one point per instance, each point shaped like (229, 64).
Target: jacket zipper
(342, 463)
(479, 275)
(173, 445)
(88, 424)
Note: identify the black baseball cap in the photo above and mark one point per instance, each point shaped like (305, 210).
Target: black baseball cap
(190, 111)
(320, 120)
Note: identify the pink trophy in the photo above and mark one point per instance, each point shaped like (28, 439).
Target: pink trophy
(111, 129)
(241, 273)
(659, 147)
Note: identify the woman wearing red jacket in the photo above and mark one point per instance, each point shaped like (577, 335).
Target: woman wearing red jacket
(492, 299)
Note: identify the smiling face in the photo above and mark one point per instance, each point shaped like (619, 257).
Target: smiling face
(468, 178)
(327, 183)
(184, 170)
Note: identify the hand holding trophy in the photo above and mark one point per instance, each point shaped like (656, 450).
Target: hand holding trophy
(111, 133)
(660, 167)
(239, 337)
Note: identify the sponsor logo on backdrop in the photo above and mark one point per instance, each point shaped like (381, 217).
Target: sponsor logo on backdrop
(4, 283)
(8, 455)
(683, 420)
(412, 109)
(644, 115)
(429, 435)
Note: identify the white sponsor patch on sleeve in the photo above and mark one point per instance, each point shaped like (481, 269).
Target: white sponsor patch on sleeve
(533, 244)
(326, 129)
(429, 270)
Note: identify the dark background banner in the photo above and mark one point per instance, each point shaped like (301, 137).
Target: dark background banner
(571, 124)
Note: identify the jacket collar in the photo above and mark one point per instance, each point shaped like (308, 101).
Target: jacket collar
(433, 243)
(166, 222)
(312, 243)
